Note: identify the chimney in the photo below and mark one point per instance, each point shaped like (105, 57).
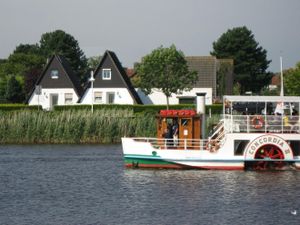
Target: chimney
(200, 108)
(200, 103)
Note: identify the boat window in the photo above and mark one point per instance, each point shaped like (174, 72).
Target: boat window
(239, 146)
(184, 122)
(295, 145)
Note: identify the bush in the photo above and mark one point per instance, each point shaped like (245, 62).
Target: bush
(215, 109)
(135, 108)
(12, 107)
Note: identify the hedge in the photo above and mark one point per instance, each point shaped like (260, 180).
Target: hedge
(215, 109)
(13, 107)
(135, 108)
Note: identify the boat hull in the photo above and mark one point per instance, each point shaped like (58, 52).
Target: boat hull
(148, 162)
(141, 153)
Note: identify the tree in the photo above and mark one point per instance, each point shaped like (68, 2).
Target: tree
(250, 60)
(18, 65)
(59, 42)
(28, 49)
(94, 61)
(292, 81)
(14, 91)
(167, 70)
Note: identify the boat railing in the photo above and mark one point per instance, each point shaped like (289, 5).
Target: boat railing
(176, 144)
(217, 129)
(261, 123)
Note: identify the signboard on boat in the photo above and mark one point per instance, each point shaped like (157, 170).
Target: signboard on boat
(268, 140)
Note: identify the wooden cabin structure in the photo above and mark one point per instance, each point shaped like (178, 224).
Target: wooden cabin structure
(188, 122)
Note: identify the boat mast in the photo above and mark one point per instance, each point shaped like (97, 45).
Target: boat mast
(281, 78)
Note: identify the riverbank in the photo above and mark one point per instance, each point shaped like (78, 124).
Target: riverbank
(73, 126)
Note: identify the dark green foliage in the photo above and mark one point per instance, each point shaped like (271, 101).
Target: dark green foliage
(14, 92)
(18, 65)
(292, 81)
(250, 60)
(165, 69)
(14, 107)
(215, 109)
(61, 43)
(27, 49)
(134, 108)
(93, 62)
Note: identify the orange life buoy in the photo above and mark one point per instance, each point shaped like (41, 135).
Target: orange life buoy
(257, 122)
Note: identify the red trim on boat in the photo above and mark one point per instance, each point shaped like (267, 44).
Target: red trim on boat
(176, 166)
(171, 166)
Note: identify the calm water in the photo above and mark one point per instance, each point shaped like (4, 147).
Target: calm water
(87, 184)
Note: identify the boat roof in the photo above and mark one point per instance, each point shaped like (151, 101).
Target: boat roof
(244, 98)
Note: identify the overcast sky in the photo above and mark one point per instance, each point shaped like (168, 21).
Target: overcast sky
(133, 28)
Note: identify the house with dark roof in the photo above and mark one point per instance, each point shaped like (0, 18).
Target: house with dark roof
(215, 79)
(57, 85)
(111, 85)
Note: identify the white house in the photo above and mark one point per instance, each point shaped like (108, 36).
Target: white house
(57, 85)
(157, 97)
(111, 84)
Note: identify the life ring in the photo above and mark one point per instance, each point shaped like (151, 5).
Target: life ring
(257, 122)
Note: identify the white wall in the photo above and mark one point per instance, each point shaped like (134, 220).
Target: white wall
(158, 98)
(44, 98)
(122, 96)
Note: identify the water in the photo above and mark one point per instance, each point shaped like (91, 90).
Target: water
(87, 184)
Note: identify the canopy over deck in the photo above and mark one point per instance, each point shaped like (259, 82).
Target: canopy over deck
(237, 98)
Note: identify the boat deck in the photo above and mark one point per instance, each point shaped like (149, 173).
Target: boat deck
(261, 124)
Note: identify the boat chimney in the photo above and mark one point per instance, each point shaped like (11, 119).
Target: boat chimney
(200, 103)
(200, 108)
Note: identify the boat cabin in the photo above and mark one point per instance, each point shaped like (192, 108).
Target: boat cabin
(268, 114)
(178, 124)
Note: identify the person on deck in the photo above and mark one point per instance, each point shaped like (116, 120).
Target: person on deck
(175, 132)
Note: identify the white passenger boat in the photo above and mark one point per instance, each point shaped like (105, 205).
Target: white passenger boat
(256, 132)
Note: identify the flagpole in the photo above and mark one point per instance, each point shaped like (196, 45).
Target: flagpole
(281, 78)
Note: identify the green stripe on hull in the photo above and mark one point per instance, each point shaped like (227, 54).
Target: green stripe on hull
(151, 163)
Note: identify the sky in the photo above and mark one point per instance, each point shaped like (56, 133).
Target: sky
(133, 28)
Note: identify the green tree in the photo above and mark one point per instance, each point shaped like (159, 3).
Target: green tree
(250, 60)
(291, 80)
(28, 49)
(93, 61)
(18, 65)
(59, 42)
(14, 92)
(165, 69)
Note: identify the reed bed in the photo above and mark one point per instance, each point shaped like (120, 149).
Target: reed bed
(74, 126)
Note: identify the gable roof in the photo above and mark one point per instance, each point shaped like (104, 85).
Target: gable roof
(121, 72)
(69, 72)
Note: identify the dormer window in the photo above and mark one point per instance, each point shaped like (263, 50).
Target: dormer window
(106, 74)
(54, 74)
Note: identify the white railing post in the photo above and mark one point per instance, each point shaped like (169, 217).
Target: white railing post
(185, 144)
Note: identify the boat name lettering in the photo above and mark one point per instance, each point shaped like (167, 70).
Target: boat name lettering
(265, 140)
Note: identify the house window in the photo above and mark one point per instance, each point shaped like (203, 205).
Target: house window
(98, 97)
(110, 97)
(106, 74)
(54, 74)
(68, 98)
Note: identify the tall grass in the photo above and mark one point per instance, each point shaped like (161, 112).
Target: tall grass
(74, 126)
(79, 126)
